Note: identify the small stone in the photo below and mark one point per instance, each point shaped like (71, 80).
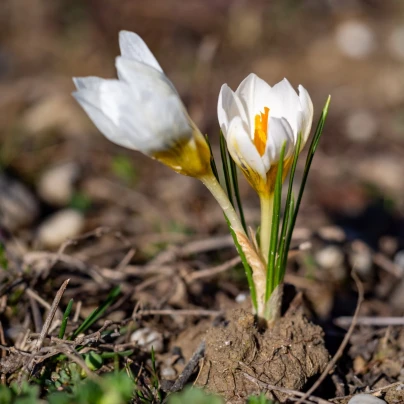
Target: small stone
(388, 245)
(399, 260)
(361, 126)
(355, 39)
(241, 297)
(18, 206)
(385, 171)
(365, 399)
(395, 43)
(57, 111)
(168, 373)
(360, 258)
(147, 338)
(359, 365)
(332, 233)
(330, 257)
(56, 185)
(59, 227)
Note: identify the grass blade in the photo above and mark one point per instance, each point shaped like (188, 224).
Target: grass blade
(234, 178)
(270, 277)
(231, 179)
(309, 159)
(225, 164)
(212, 159)
(98, 312)
(65, 318)
(280, 269)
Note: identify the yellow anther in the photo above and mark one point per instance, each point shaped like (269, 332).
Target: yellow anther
(260, 131)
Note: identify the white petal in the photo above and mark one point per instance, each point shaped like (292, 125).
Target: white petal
(104, 124)
(279, 132)
(89, 83)
(111, 97)
(285, 103)
(144, 121)
(167, 122)
(133, 47)
(307, 109)
(242, 149)
(228, 107)
(255, 95)
(142, 77)
(112, 108)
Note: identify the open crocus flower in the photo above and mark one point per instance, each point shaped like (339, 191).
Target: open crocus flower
(142, 110)
(257, 120)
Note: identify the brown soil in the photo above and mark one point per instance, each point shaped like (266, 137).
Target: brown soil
(239, 357)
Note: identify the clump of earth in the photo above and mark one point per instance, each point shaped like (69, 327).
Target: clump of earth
(241, 359)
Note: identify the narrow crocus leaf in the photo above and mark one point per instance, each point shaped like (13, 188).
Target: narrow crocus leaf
(288, 212)
(225, 164)
(270, 277)
(234, 178)
(98, 312)
(231, 178)
(283, 252)
(212, 159)
(65, 318)
(309, 159)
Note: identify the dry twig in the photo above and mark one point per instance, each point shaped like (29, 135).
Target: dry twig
(267, 386)
(189, 369)
(51, 314)
(379, 389)
(370, 321)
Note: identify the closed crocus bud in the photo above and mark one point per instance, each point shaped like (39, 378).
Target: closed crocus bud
(141, 110)
(257, 120)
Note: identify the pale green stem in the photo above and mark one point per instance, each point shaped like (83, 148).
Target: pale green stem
(217, 191)
(267, 206)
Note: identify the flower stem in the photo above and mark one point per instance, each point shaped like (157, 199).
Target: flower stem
(217, 191)
(267, 205)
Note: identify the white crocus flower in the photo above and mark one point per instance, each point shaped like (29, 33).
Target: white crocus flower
(141, 110)
(257, 120)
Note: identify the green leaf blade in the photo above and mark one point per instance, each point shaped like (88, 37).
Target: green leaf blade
(271, 276)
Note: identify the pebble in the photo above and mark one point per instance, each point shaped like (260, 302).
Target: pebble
(168, 373)
(330, 257)
(147, 338)
(388, 245)
(56, 185)
(399, 260)
(395, 43)
(361, 126)
(355, 39)
(18, 206)
(332, 233)
(57, 111)
(360, 258)
(241, 297)
(59, 227)
(385, 171)
(365, 399)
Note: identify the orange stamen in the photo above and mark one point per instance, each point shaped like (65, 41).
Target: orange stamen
(260, 131)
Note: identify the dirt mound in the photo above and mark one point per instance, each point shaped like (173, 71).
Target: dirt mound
(240, 359)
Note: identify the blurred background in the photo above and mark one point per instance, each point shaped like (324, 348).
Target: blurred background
(59, 177)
